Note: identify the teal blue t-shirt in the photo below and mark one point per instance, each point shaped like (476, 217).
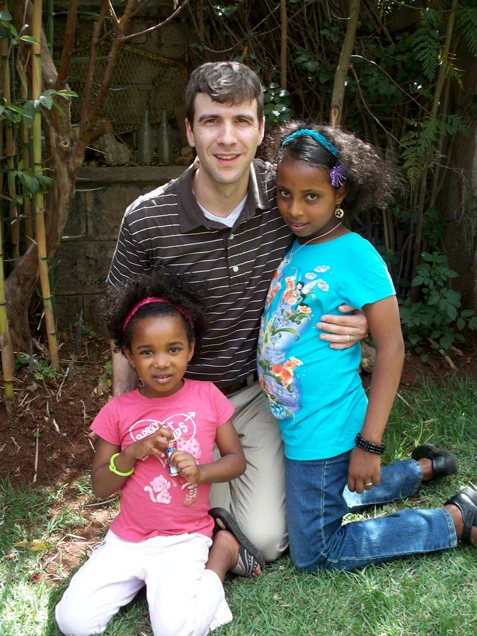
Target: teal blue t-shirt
(316, 392)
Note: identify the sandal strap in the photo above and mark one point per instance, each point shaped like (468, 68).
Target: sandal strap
(249, 557)
(246, 563)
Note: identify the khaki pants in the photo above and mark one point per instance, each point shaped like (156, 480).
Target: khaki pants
(257, 498)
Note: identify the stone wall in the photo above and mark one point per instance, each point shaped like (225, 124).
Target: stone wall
(82, 261)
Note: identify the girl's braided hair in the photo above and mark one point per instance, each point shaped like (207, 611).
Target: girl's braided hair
(183, 298)
(370, 178)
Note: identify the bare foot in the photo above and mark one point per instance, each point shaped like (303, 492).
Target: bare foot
(459, 523)
(224, 555)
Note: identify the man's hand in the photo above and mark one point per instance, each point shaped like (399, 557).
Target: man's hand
(343, 331)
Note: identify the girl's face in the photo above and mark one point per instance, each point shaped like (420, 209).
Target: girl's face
(160, 352)
(307, 200)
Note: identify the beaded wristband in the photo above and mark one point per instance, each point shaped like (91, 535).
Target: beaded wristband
(371, 447)
(114, 470)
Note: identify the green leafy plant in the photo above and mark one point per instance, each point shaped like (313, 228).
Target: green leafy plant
(277, 105)
(39, 368)
(437, 316)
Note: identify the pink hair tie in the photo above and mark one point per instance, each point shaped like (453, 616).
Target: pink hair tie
(148, 301)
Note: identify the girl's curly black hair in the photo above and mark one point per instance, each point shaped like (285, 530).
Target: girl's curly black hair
(369, 177)
(176, 290)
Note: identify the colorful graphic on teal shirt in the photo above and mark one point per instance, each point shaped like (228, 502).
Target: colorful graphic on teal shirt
(291, 318)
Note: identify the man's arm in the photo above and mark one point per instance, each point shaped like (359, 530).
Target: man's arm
(343, 331)
(124, 377)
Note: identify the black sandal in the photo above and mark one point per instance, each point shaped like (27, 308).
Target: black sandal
(443, 462)
(249, 557)
(466, 501)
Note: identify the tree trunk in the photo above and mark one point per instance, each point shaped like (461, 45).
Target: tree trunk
(337, 99)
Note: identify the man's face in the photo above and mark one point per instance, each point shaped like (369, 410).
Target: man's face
(226, 137)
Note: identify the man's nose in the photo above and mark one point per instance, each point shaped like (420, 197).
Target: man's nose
(227, 133)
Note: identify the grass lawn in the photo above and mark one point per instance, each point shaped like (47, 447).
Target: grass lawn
(421, 595)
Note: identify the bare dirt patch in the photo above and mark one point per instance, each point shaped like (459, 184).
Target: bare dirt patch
(45, 440)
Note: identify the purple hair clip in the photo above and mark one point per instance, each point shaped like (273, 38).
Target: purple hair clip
(337, 175)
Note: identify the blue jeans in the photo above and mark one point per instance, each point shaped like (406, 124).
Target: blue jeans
(318, 499)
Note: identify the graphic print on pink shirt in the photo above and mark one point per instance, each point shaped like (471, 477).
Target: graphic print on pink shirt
(183, 428)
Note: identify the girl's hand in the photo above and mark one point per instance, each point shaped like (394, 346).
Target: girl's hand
(364, 470)
(154, 444)
(186, 465)
(343, 331)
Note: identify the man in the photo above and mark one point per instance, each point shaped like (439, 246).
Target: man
(219, 223)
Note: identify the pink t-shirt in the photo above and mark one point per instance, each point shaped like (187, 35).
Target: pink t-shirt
(152, 501)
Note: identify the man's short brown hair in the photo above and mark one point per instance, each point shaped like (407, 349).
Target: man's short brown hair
(226, 83)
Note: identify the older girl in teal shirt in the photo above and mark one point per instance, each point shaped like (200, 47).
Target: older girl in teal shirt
(331, 430)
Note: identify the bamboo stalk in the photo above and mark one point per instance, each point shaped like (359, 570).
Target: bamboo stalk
(39, 198)
(27, 202)
(8, 363)
(10, 152)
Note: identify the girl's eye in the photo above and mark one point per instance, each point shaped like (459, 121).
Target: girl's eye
(312, 197)
(174, 349)
(283, 193)
(146, 352)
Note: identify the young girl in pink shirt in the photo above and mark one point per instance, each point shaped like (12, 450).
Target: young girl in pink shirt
(156, 445)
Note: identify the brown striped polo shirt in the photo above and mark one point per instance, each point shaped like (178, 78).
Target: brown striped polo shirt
(167, 227)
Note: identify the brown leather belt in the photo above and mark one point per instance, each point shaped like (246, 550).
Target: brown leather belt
(238, 386)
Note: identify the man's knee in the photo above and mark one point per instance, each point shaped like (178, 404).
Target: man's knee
(272, 542)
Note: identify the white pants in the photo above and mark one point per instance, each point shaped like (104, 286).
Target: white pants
(257, 498)
(184, 598)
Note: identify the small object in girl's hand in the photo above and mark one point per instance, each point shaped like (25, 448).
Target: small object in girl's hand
(169, 450)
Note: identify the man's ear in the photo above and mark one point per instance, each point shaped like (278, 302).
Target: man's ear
(262, 130)
(189, 134)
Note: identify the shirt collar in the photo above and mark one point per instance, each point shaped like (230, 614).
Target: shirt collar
(192, 217)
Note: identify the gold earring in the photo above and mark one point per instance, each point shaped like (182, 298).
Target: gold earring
(339, 212)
